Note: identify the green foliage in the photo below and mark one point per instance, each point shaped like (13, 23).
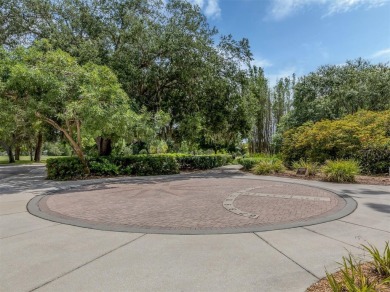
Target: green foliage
(249, 163)
(64, 168)
(381, 261)
(334, 285)
(102, 167)
(353, 277)
(375, 159)
(146, 165)
(179, 70)
(312, 167)
(80, 101)
(202, 161)
(339, 139)
(334, 91)
(341, 170)
(268, 166)
(72, 168)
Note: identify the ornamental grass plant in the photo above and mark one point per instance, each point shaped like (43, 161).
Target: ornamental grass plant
(355, 276)
(268, 166)
(312, 167)
(341, 170)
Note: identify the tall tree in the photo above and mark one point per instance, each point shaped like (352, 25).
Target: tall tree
(162, 52)
(334, 91)
(259, 110)
(81, 102)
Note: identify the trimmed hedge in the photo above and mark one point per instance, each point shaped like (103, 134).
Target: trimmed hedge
(71, 168)
(146, 165)
(189, 162)
(64, 168)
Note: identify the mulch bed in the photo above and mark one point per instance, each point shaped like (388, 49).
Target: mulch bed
(360, 179)
(368, 270)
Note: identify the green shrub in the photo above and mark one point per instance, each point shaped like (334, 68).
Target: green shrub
(341, 139)
(341, 170)
(249, 163)
(71, 168)
(147, 164)
(64, 168)
(102, 166)
(312, 167)
(187, 161)
(353, 278)
(374, 160)
(202, 161)
(268, 166)
(380, 261)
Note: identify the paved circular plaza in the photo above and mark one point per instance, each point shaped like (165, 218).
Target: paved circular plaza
(192, 205)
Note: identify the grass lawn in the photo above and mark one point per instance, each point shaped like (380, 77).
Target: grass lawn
(25, 159)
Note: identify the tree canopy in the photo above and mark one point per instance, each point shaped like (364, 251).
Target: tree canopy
(154, 74)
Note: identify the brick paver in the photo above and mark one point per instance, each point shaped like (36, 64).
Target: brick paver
(192, 203)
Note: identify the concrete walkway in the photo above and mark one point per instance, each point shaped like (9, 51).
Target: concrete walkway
(41, 255)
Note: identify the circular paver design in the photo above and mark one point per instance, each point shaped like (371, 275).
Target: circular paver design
(193, 205)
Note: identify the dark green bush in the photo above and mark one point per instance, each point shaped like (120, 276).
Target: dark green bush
(65, 168)
(188, 162)
(102, 166)
(374, 160)
(147, 164)
(71, 168)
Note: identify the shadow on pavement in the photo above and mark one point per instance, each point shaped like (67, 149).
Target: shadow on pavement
(384, 208)
(33, 179)
(366, 192)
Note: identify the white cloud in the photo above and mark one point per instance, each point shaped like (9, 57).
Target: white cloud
(209, 7)
(381, 53)
(213, 9)
(261, 62)
(281, 9)
(286, 72)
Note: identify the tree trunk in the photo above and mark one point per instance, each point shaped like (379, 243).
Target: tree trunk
(38, 148)
(11, 157)
(76, 147)
(31, 154)
(17, 153)
(104, 146)
(8, 149)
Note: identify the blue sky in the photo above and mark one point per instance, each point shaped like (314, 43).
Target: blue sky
(297, 36)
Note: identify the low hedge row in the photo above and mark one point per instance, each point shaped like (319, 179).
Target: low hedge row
(71, 168)
(190, 162)
(64, 168)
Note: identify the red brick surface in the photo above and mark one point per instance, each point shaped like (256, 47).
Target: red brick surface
(190, 203)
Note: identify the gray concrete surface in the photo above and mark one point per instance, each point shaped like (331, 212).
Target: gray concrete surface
(39, 255)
